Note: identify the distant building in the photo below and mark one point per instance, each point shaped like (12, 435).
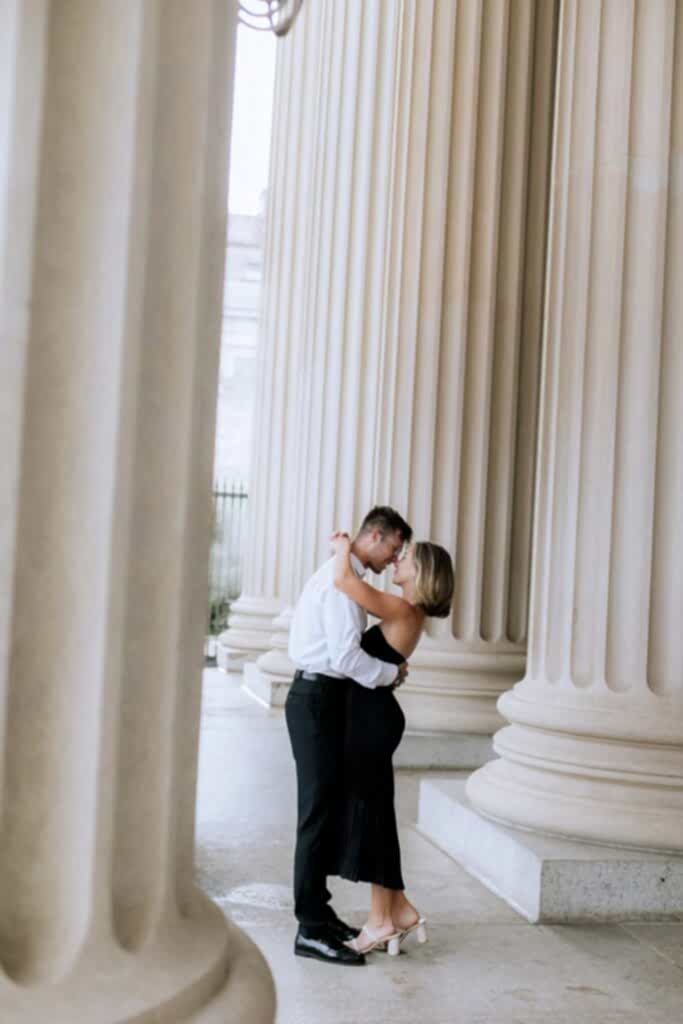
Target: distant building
(241, 312)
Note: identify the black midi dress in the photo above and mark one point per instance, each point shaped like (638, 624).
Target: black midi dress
(368, 848)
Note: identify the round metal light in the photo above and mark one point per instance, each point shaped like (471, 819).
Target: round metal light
(275, 16)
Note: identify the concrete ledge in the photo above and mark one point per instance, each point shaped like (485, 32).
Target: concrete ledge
(230, 660)
(266, 689)
(548, 879)
(428, 750)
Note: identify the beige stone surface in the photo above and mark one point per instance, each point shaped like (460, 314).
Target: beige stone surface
(595, 745)
(406, 252)
(547, 878)
(272, 567)
(406, 286)
(113, 181)
(250, 625)
(483, 963)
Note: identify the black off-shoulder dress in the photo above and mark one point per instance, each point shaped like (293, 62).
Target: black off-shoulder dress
(368, 848)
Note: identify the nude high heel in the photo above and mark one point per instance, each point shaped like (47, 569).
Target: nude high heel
(420, 931)
(390, 942)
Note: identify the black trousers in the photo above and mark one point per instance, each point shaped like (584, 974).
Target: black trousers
(316, 719)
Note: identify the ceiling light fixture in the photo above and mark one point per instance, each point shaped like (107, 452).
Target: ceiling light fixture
(275, 16)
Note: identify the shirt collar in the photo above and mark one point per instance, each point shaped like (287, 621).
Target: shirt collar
(357, 566)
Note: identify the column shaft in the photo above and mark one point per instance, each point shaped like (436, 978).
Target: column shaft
(456, 445)
(422, 317)
(342, 266)
(595, 748)
(269, 583)
(114, 187)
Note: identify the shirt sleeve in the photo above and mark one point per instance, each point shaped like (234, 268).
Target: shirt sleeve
(343, 625)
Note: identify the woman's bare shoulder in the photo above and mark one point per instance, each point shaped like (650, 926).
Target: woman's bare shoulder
(400, 610)
(410, 613)
(403, 616)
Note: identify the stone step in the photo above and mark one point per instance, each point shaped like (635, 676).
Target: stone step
(548, 879)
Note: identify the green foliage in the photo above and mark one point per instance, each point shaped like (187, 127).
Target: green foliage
(218, 615)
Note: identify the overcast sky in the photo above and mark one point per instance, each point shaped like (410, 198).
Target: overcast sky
(251, 123)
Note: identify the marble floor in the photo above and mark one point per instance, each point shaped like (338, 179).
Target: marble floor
(483, 964)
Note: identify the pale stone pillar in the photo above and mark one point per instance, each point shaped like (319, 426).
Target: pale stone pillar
(595, 745)
(113, 143)
(269, 583)
(424, 318)
(456, 444)
(344, 67)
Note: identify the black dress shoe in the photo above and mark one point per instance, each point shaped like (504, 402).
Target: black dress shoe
(326, 946)
(344, 931)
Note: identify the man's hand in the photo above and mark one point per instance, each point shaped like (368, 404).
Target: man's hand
(402, 674)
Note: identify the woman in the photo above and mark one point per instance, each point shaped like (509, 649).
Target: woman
(369, 848)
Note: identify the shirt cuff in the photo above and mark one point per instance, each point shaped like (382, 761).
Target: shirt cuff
(388, 676)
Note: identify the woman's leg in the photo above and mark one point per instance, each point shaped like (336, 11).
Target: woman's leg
(390, 912)
(402, 912)
(379, 924)
(380, 919)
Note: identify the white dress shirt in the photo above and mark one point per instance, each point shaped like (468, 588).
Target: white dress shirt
(326, 630)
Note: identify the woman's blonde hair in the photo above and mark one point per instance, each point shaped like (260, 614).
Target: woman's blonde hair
(435, 579)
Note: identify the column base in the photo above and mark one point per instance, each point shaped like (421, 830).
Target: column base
(249, 632)
(625, 792)
(547, 879)
(229, 659)
(423, 751)
(268, 681)
(265, 687)
(456, 690)
(199, 970)
(236, 648)
(248, 992)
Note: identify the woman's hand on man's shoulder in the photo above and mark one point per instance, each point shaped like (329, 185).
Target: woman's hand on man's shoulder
(340, 541)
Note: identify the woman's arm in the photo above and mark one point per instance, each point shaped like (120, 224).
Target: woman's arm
(376, 602)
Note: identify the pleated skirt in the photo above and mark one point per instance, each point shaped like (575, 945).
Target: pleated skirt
(367, 848)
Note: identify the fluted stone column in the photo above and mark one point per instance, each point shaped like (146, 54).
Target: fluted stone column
(595, 745)
(424, 318)
(113, 135)
(347, 61)
(274, 500)
(457, 435)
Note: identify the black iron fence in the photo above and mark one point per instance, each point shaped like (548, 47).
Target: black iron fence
(227, 550)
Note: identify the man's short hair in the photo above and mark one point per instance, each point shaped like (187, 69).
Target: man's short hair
(386, 520)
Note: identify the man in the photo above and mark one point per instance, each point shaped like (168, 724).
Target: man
(325, 646)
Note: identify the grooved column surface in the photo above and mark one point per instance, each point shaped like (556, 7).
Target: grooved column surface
(113, 184)
(595, 748)
(324, 299)
(281, 403)
(461, 332)
(419, 327)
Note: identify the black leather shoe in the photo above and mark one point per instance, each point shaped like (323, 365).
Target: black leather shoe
(326, 946)
(344, 931)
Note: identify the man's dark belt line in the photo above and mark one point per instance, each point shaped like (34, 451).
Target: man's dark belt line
(315, 677)
(325, 637)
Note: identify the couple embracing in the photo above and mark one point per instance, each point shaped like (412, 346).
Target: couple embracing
(345, 723)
